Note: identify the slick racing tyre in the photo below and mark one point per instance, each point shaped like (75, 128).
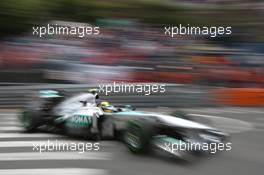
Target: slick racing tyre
(138, 136)
(30, 120)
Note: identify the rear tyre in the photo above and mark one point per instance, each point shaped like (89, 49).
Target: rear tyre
(138, 136)
(30, 120)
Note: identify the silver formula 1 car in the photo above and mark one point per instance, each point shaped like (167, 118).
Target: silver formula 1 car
(81, 115)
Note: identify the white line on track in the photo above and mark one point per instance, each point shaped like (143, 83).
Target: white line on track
(31, 143)
(9, 123)
(227, 124)
(59, 142)
(11, 128)
(9, 119)
(8, 114)
(234, 110)
(28, 135)
(259, 124)
(55, 156)
(251, 110)
(57, 171)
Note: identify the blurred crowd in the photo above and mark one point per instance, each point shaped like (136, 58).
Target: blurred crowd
(131, 51)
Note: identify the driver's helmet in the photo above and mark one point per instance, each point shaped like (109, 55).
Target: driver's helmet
(105, 103)
(106, 106)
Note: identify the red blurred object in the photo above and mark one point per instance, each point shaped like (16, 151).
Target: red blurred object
(17, 57)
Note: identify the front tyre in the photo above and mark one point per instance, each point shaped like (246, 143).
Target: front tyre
(138, 136)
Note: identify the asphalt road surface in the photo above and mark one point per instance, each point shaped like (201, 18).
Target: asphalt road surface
(246, 126)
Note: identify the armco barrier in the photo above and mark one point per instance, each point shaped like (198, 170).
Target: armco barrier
(176, 95)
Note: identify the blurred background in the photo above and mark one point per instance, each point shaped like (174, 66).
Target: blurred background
(203, 76)
(132, 46)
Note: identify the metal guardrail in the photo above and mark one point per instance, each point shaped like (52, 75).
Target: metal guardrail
(176, 95)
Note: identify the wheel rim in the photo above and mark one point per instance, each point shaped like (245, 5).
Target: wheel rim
(133, 139)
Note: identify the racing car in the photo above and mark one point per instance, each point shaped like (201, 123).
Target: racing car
(84, 115)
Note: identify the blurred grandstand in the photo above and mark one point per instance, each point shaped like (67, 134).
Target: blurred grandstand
(133, 50)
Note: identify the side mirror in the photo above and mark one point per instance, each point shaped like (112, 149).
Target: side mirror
(84, 103)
